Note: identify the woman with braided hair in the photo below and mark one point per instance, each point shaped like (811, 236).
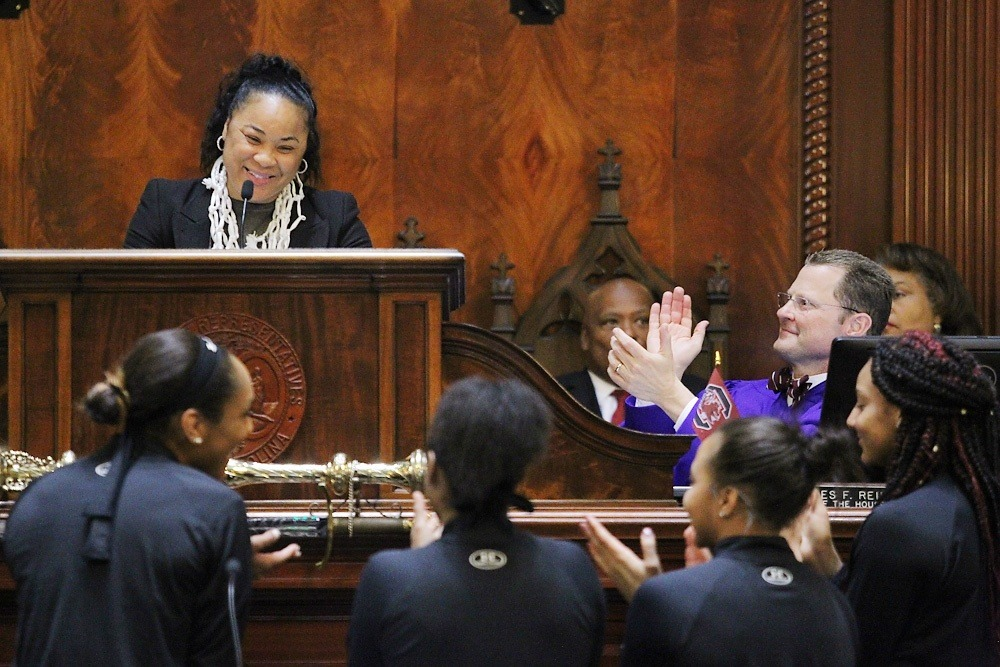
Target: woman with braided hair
(924, 573)
(263, 133)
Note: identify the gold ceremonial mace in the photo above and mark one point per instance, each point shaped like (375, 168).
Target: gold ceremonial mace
(339, 477)
(18, 469)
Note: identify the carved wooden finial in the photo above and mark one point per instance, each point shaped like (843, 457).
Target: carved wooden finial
(609, 180)
(609, 150)
(502, 266)
(718, 284)
(610, 169)
(719, 264)
(410, 237)
(502, 296)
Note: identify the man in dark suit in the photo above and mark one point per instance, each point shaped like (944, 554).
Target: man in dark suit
(623, 303)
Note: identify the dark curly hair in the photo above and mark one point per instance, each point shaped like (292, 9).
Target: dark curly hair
(950, 422)
(262, 73)
(945, 290)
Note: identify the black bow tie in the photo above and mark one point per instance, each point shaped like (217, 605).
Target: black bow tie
(782, 382)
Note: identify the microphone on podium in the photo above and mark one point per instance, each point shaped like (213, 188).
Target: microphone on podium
(246, 192)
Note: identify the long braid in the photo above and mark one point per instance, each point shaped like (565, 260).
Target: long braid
(950, 422)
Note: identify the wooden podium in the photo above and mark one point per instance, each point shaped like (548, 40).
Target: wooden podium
(344, 346)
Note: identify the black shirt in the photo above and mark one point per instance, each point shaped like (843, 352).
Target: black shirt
(160, 600)
(917, 582)
(752, 604)
(449, 604)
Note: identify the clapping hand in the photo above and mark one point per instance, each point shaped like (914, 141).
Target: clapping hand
(653, 373)
(621, 564)
(674, 323)
(426, 524)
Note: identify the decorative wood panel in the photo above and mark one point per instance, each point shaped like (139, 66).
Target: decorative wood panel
(447, 110)
(858, 48)
(945, 179)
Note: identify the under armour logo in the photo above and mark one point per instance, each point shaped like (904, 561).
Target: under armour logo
(776, 576)
(102, 469)
(487, 559)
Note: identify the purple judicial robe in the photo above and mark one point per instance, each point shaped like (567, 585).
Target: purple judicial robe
(752, 398)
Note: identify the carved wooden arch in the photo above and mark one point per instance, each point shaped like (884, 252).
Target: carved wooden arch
(550, 328)
(619, 463)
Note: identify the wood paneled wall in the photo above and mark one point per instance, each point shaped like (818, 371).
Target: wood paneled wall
(945, 179)
(447, 110)
(487, 131)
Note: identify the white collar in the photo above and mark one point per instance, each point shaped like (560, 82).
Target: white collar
(601, 386)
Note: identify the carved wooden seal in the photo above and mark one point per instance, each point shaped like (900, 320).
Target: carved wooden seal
(278, 382)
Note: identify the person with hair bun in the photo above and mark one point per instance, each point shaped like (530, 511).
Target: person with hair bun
(263, 131)
(924, 572)
(753, 602)
(126, 557)
(479, 590)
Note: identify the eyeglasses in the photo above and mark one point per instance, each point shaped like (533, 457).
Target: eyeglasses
(804, 305)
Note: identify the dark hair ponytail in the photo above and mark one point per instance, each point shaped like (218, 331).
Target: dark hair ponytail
(775, 467)
(262, 73)
(164, 373)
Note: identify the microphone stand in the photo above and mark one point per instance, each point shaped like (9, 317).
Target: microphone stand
(246, 192)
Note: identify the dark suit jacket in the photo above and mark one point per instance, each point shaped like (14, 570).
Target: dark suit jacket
(174, 214)
(581, 387)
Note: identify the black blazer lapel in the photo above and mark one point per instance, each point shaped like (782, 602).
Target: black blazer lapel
(301, 236)
(581, 387)
(191, 225)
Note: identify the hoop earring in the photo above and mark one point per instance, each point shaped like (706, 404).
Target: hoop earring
(220, 142)
(303, 168)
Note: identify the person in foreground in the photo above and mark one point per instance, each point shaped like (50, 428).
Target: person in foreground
(126, 556)
(930, 295)
(753, 603)
(262, 132)
(837, 293)
(479, 591)
(924, 573)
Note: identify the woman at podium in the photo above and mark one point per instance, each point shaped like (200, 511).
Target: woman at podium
(260, 153)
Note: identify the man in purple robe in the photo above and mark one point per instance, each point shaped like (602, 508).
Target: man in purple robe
(837, 293)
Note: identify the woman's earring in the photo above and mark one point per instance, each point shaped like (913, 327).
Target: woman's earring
(197, 440)
(220, 142)
(937, 328)
(303, 167)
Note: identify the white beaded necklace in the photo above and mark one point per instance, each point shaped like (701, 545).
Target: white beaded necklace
(225, 230)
